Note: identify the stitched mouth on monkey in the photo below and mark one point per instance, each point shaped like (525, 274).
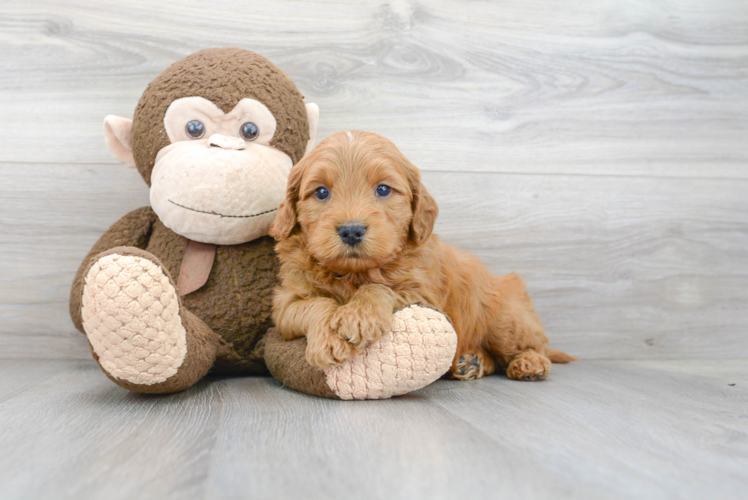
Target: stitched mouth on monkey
(224, 215)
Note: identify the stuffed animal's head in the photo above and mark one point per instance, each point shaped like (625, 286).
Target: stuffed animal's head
(215, 137)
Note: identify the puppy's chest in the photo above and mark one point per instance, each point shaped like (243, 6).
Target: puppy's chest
(341, 288)
(344, 286)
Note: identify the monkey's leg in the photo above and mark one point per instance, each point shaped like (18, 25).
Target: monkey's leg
(141, 336)
(417, 351)
(132, 230)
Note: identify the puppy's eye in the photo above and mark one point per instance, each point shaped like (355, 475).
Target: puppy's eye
(322, 193)
(195, 129)
(383, 191)
(250, 131)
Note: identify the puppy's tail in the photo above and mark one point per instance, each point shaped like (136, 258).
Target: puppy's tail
(560, 356)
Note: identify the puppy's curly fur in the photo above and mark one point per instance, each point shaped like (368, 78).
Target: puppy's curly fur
(341, 296)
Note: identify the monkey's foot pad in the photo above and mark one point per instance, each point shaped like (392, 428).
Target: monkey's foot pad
(417, 351)
(131, 316)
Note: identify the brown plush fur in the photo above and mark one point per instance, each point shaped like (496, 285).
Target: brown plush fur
(342, 298)
(223, 76)
(203, 344)
(227, 317)
(235, 303)
(286, 362)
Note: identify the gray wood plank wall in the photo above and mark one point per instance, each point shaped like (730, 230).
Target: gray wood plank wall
(597, 147)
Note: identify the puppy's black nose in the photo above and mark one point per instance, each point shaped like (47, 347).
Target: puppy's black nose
(351, 234)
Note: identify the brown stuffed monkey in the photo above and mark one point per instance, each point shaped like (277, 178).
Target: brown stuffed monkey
(184, 287)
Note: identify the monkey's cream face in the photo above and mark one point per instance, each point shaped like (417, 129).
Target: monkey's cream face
(219, 181)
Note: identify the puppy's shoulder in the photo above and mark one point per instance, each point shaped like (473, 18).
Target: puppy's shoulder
(435, 252)
(416, 256)
(432, 246)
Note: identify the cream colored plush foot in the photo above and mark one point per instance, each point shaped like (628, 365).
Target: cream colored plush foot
(131, 317)
(419, 349)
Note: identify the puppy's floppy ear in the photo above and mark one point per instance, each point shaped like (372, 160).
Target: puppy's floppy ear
(425, 209)
(425, 212)
(285, 220)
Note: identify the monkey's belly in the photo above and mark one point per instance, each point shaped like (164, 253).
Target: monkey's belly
(237, 300)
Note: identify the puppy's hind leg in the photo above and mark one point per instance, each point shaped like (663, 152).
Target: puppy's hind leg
(528, 365)
(472, 364)
(532, 365)
(517, 337)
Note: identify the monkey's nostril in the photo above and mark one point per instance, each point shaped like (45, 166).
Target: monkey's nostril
(351, 234)
(226, 142)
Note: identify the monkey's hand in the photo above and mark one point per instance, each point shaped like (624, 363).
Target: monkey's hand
(363, 320)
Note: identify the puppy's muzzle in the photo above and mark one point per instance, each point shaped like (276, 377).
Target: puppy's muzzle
(351, 233)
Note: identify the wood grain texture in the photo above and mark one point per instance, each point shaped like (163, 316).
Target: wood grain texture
(597, 148)
(645, 87)
(595, 429)
(632, 429)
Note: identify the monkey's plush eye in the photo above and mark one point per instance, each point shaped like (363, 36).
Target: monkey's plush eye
(383, 191)
(250, 131)
(322, 193)
(195, 129)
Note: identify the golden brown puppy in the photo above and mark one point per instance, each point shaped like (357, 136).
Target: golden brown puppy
(355, 243)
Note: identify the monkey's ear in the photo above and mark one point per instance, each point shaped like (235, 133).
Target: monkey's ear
(312, 115)
(118, 138)
(285, 220)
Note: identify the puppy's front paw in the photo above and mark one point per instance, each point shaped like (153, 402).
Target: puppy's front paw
(361, 324)
(325, 349)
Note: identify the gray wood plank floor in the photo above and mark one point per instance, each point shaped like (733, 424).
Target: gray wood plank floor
(595, 429)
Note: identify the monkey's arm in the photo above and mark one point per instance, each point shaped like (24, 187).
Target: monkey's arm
(134, 229)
